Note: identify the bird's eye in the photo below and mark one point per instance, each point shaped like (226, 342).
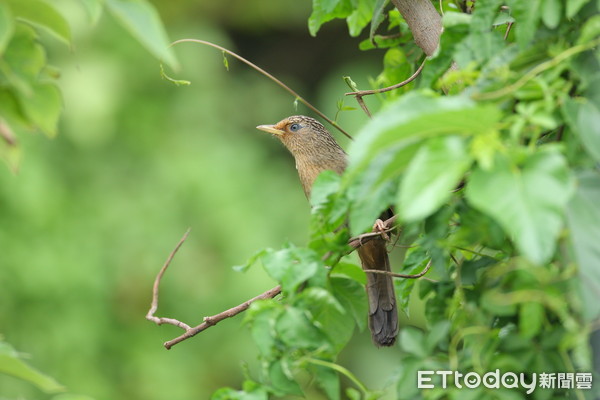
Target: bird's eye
(294, 127)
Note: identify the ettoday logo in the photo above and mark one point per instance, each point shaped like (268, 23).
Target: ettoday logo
(509, 380)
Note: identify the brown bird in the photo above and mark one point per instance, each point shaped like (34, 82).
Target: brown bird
(315, 150)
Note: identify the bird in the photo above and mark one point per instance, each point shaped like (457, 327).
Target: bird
(315, 150)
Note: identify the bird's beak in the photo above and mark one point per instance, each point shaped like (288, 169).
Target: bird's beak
(271, 129)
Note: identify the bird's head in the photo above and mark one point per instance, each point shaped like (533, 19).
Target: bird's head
(303, 136)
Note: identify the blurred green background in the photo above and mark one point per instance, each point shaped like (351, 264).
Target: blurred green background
(90, 216)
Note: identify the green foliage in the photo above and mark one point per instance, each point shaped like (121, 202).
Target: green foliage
(492, 168)
(12, 364)
(31, 100)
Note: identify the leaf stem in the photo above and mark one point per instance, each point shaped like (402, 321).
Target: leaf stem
(341, 370)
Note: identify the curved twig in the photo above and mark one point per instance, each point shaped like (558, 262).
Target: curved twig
(268, 75)
(154, 305)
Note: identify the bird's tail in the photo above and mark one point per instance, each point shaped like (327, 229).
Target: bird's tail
(383, 313)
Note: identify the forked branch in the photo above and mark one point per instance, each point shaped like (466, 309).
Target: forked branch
(354, 243)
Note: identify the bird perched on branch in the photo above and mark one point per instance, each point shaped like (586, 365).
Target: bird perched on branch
(315, 150)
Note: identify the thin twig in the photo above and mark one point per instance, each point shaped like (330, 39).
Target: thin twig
(215, 319)
(207, 321)
(154, 305)
(268, 75)
(395, 275)
(509, 25)
(362, 93)
(356, 242)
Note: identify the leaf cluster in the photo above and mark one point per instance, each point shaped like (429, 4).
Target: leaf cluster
(492, 168)
(30, 97)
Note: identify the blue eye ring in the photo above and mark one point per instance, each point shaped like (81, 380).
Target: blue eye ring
(294, 127)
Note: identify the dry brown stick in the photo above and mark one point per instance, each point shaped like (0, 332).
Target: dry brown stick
(215, 319)
(355, 242)
(154, 305)
(395, 275)
(509, 25)
(361, 93)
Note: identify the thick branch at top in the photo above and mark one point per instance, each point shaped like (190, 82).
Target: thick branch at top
(423, 21)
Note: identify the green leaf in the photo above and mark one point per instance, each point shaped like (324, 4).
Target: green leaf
(282, 381)
(573, 7)
(349, 271)
(413, 342)
(531, 317)
(7, 26)
(43, 15)
(328, 380)
(583, 217)
(527, 16)
(141, 19)
(262, 316)
(360, 17)
(369, 195)
(590, 30)
(328, 314)
(407, 372)
(551, 13)
(93, 9)
(378, 17)
(353, 298)
(584, 120)
(11, 364)
(326, 10)
(528, 202)
(440, 331)
(252, 260)
(43, 107)
(483, 16)
(24, 59)
(251, 391)
(326, 184)
(430, 177)
(297, 331)
(291, 266)
(417, 116)
(494, 301)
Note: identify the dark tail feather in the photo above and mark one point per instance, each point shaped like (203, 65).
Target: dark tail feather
(383, 314)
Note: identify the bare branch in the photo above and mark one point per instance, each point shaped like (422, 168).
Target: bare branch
(207, 321)
(154, 305)
(215, 319)
(385, 226)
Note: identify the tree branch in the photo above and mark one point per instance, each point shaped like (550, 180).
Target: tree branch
(423, 21)
(215, 319)
(207, 322)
